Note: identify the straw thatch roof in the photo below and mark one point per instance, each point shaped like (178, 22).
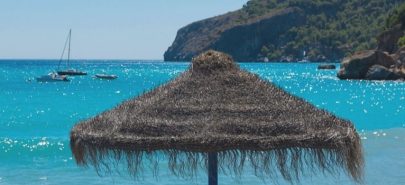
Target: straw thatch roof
(217, 107)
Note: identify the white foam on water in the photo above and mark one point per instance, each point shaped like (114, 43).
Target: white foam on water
(43, 178)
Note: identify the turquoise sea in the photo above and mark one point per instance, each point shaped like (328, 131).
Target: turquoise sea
(35, 118)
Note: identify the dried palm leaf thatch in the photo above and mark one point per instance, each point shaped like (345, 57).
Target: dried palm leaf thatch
(217, 107)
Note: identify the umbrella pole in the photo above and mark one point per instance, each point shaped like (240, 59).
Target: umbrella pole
(212, 168)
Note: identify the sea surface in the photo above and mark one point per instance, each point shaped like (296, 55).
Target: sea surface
(35, 119)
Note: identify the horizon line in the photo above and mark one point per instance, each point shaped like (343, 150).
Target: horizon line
(79, 59)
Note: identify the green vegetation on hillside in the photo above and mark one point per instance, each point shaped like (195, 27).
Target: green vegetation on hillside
(396, 17)
(333, 28)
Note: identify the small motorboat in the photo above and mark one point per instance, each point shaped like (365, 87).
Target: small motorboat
(53, 77)
(106, 76)
(326, 66)
(72, 72)
(304, 61)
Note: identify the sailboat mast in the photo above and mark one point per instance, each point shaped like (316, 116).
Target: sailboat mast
(70, 40)
(63, 51)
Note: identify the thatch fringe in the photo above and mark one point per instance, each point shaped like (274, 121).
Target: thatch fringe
(290, 163)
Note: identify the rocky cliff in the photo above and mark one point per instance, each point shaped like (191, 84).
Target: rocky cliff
(388, 40)
(286, 30)
(242, 40)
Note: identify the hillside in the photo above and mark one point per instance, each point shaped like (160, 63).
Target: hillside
(284, 29)
(393, 37)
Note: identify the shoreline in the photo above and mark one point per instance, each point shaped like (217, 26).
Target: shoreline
(154, 61)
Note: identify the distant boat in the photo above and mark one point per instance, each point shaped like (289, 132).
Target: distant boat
(304, 61)
(326, 66)
(304, 55)
(106, 77)
(70, 72)
(53, 77)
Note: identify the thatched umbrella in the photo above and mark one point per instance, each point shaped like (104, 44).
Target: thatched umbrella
(216, 112)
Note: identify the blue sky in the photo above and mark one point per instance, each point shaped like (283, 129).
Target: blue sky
(102, 29)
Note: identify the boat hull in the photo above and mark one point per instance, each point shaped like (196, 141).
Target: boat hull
(72, 73)
(106, 77)
(52, 79)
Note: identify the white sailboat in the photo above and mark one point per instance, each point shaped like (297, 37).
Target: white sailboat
(52, 77)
